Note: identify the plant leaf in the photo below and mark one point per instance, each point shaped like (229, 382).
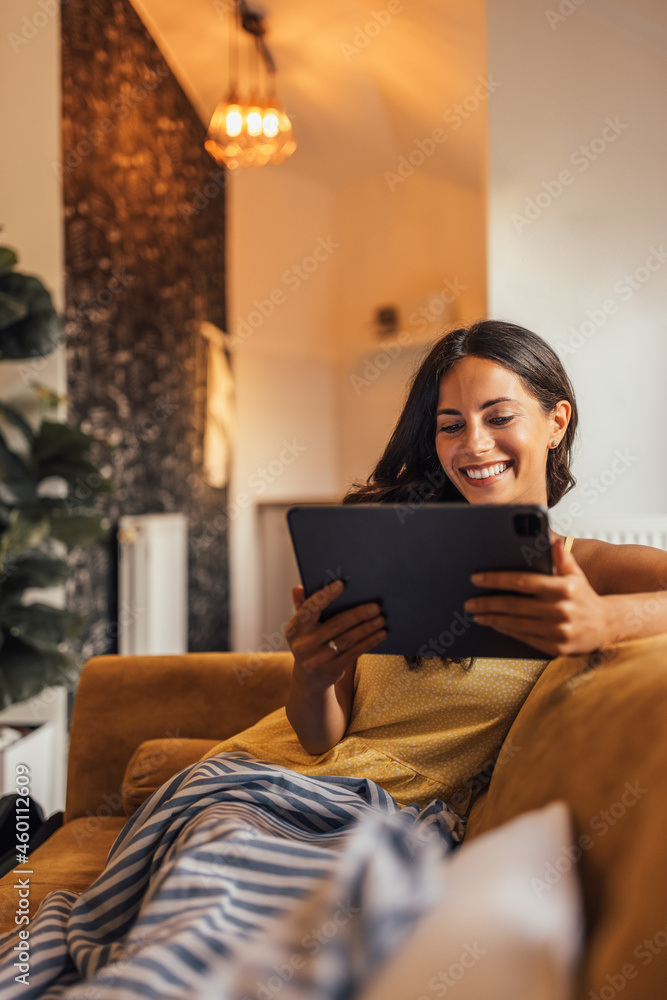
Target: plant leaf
(5, 514)
(79, 471)
(26, 671)
(11, 310)
(33, 568)
(59, 440)
(8, 259)
(16, 418)
(39, 625)
(16, 474)
(40, 331)
(61, 451)
(23, 533)
(79, 530)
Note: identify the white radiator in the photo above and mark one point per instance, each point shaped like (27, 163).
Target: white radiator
(153, 584)
(649, 530)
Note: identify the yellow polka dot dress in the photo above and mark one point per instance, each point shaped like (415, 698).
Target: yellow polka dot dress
(419, 734)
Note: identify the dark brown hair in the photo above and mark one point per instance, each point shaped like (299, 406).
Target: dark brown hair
(409, 470)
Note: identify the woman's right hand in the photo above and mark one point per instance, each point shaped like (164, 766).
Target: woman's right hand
(352, 633)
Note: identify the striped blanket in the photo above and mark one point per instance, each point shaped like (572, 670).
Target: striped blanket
(238, 880)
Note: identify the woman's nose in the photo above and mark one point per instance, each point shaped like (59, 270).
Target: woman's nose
(478, 438)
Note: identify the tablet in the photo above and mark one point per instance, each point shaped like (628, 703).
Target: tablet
(416, 562)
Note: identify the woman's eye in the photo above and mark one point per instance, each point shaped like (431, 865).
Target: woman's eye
(453, 428)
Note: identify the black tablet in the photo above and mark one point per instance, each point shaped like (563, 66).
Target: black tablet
(416, 562)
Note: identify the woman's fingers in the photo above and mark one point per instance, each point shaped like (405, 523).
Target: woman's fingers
(308, 611)
(565, 615)
(298, 597)
(345, 630)
(565, 566)
(360, 617)
(528, 607)
(350, 638)
(350, 633)
(306, 621)
(538, 584)
(363, 645)
(545, 643)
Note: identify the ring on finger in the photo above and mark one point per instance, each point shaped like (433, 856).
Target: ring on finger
(332, 645)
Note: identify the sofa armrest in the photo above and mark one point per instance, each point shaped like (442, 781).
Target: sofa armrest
(592, 733)
(123, 700)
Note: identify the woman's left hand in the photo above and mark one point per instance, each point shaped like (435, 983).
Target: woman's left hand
(564, 615)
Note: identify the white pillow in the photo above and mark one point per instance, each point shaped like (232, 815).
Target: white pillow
(510, 925)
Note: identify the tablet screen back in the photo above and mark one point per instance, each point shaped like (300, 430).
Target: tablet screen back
(416, 562)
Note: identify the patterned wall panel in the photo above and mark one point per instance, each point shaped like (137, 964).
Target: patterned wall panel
(144, 246)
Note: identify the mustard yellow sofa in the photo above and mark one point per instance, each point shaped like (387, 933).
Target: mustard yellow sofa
(593, 732)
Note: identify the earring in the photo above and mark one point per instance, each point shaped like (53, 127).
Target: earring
(554, 443)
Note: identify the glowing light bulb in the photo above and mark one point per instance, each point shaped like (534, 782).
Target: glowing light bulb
(233, 120)
(254, 121)
(249, 134)
(271, 123)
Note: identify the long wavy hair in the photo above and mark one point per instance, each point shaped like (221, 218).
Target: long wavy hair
(409, 470)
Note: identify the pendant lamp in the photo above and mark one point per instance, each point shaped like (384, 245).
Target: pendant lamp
(249, 127)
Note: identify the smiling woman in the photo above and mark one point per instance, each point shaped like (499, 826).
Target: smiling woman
(491, 418)
(515, 405)
(503, 441)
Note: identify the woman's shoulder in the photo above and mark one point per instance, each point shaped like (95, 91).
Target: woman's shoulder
(582, 548)
(619, 569)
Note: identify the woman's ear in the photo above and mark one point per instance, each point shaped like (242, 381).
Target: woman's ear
(561, 417)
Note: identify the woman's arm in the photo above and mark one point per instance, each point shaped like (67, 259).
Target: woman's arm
(633, 582)
(563, 614)
(635, 616)
(319, 702)
(621, 569)
(319, 715)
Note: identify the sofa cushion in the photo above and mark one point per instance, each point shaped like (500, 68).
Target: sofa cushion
(492, 934)
(594, 736)
(71, 858)
(153, 763)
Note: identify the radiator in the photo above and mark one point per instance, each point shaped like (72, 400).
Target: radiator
(649, 530)
(152, 584)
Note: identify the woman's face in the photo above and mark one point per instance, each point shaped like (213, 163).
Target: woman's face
(474, 432)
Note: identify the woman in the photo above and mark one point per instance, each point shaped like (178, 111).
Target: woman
(490, 417)
(296, 855)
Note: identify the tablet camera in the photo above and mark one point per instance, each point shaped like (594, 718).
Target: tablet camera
(527, 525)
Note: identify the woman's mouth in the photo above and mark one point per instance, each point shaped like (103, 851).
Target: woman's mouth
(489, 474)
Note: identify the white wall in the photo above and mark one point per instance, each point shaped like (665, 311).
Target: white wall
(31, 215)
(279, 225)
(576, 272)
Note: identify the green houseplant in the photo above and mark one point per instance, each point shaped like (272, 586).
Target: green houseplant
(49, 491)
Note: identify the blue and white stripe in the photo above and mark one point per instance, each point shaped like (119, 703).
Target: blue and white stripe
(239, 879)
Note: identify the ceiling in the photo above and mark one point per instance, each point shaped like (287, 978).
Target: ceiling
(360, 93)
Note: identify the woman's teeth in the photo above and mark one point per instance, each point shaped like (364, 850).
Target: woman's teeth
(491, 470)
